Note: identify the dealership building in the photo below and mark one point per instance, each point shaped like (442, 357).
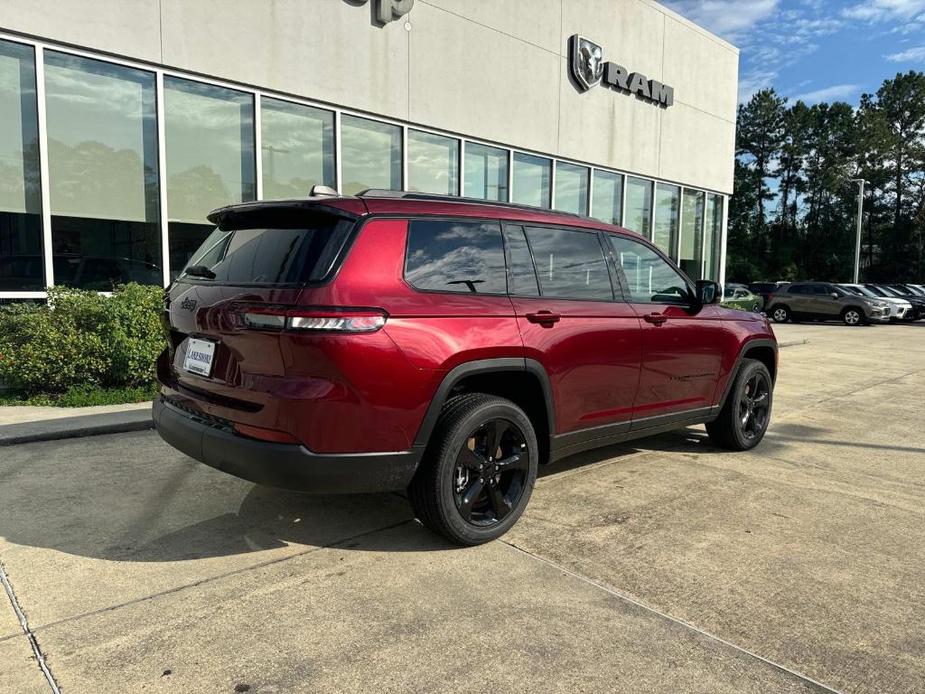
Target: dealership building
(124, 122)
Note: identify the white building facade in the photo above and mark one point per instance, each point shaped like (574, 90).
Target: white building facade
(124, 122)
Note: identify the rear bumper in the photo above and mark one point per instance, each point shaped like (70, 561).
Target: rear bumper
(287, 466)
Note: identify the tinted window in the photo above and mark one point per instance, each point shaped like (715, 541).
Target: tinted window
(271, 247)
(650, 279)
(21, 265)
(103, 171)
(570, 264)
(456, 256)
(521, 273)
(797, 289)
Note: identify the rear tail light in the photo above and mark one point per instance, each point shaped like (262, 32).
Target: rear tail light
(310, 319)
(357, 322)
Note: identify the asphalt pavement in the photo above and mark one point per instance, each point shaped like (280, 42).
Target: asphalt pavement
(662, 566)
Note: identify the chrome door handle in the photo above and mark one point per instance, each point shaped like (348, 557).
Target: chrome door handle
(655, 318)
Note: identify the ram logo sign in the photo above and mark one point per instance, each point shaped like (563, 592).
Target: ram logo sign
(385, 11)
(588, 68)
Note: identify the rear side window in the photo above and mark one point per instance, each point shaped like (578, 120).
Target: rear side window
(570, 264)
(270, 246)
(455, 256)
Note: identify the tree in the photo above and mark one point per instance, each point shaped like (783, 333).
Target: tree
(759, 137)
(803, 158)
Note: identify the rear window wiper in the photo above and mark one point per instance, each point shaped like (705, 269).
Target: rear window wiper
(199, 271)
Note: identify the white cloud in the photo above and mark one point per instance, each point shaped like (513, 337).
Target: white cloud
(833, 93)
(730, 19)
(884, 10)
(910, 55)
(755, 82)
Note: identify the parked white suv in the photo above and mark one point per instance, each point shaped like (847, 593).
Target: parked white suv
(901, 309)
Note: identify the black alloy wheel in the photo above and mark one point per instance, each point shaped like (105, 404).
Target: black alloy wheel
(478, 471)
(746, 413)
(755, 406)
(490, 473)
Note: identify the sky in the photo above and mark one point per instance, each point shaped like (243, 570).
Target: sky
(816, 50)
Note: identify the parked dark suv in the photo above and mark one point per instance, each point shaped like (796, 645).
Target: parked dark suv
(443, 346)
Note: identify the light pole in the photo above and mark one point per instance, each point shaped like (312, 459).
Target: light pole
(857, 242)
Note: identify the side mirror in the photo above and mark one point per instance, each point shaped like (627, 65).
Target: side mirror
(707, 292)
(834, 295)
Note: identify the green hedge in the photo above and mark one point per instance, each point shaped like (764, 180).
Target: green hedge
(81, 339)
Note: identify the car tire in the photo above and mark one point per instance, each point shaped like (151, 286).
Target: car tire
(744, 418)
(458, 491)
(781, 314)
(756, 307)
(853, 316)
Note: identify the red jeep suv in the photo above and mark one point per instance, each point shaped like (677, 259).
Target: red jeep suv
(443, 346)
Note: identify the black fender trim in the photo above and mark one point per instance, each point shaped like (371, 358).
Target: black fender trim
(748, 346)
(474, 368)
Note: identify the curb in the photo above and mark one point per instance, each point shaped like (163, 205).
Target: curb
(793, 343)
(76, 427)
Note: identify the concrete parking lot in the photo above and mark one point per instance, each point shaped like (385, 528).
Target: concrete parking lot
(665, 566)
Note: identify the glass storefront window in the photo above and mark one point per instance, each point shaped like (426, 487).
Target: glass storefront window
(667, 207)
(607, 197)
(103, 173)
(433, 163)
(638, 206)
(21, 263)
(692, 233)
(713, 235)
(372, 155)
(210, 159)
(486, 172)
(297, 144)
(532, 178)
(572, 188)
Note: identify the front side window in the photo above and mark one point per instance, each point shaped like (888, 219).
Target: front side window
(455, 256)
(649, 277)
(371, 155)
(103, 173)
(209, 136)
(570, 264)
(21, 266)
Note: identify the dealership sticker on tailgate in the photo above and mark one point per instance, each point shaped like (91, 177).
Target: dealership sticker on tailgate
(199, 355)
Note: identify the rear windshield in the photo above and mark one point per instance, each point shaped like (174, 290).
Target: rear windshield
(270, 246)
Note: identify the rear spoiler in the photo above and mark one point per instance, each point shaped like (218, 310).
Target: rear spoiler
(224, 217)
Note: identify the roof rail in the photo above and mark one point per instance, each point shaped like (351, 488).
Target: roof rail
(411, 195)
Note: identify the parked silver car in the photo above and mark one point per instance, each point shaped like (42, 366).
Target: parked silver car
(825, 301)
(901, 309)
